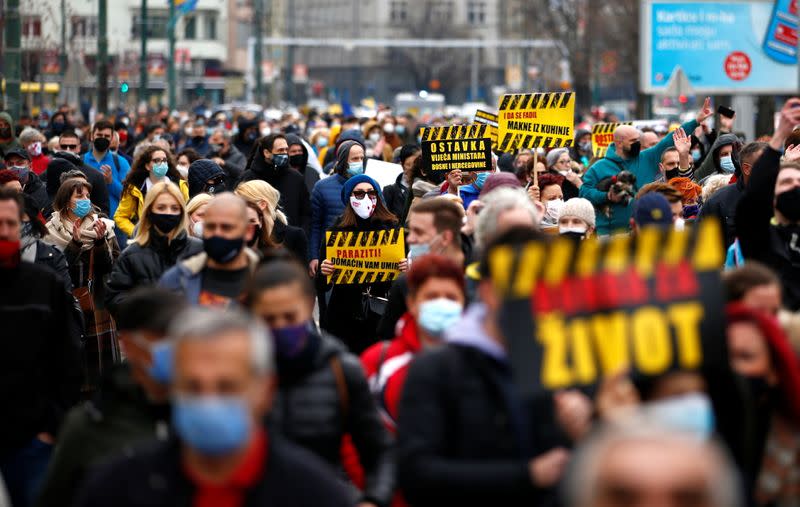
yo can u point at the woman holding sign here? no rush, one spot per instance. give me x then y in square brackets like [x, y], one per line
[354, 307]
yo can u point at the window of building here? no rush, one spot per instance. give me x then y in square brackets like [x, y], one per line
[476, 13]
[442, 11]
[244, 29]
[84, 26]
[398, 11]
[190, 28]
[156, 26]
[210, 26]
[31, 26]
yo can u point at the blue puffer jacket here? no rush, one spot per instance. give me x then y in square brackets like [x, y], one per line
[644, 167]
[326, 206]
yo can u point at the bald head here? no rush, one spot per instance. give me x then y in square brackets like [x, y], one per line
[627, 141]
[230, 201]
[226, 217]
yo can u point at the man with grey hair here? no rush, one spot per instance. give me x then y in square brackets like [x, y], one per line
[503, 209]
[230, 159]
[216, 276]
[223, 388]
[641, 465]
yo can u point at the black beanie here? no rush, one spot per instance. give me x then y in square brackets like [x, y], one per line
[200, 171]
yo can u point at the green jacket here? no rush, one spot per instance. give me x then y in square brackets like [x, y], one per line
[98, 430]
[615, 217]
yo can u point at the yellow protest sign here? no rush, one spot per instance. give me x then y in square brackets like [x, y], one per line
[458, 147]
[490, 119]
[532, 120]
[651, 304]
[364, 256]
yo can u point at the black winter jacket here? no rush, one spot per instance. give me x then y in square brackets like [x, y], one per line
[398, 198]
[722, 206]
[120, 418]
[309, 411]
[40, 369]
[154, 477]
[57, 167]
[293, 239]
[143, 265]
[776, 246]
[295, 201]
[456, 439]
[36, 190]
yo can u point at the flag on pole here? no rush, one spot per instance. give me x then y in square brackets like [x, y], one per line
[185, 6]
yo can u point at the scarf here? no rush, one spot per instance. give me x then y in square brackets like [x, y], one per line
[778, 483]
[59, 231]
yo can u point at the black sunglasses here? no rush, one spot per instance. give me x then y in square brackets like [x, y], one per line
[68, 146]
[359, 194]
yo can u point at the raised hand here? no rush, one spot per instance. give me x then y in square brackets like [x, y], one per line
[705, 111]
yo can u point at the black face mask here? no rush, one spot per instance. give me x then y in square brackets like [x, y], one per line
[297, 161]
[256, 236]
[164, 223]
[222, 250]
[574, 236]
[758, 387]
[788, 203]
[634, 150]
[198, 139]
[101, 144]
[674, 173]
[252, 136]
[5, 132]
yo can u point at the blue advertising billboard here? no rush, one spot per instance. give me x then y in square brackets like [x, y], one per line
[733, 47]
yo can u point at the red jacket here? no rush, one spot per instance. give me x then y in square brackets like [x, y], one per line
[385, 365]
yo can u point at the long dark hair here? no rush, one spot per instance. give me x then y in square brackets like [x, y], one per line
[382, 214]
[139, 172]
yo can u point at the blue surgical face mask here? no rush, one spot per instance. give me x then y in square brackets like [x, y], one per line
[480, 179]
[322, 142]
[211, 425]
[690, 413]
[400, 130]
[726, 163]
[696, 154]
[418, 250]
[438, 314]
[161, 357]
[355, 168]
[290, 340]
[82, 207]
[160, 170]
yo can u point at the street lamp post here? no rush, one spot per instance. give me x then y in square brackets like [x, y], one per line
[102, 57]
[143, 54]
[171, 60]
[11, 58]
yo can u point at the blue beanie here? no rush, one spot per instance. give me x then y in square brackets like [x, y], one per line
[351, 183]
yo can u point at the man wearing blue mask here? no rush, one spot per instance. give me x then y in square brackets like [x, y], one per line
[322, 393]
[133, 406]
[222, 454]
[723, 158]
[216, 277]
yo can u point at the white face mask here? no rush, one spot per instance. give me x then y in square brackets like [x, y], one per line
[266, 131]
[554, 209]
[364, 207]
[389, 128]
[563, 173]
[566, 229]
[188, 131]
[184, 170]
[197, 229]
[375, 137]
[680, 224]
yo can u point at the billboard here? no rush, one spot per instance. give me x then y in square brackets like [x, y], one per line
[739, 46]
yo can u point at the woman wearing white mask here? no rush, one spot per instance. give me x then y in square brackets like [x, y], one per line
[577, 219]
[560, 163]
[152, 166]
[345, 316]
[196, 209]
[552, 197]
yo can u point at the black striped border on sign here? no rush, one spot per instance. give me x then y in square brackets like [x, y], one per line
[364, 239]
[485, 118]
[475, 131]
[522, 101]
[511, 141]
[604, 128]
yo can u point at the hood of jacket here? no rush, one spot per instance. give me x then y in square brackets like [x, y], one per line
[7, 117]
[713, 157]
[293, 139]
[469, 332]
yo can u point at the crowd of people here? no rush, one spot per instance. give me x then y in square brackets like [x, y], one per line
[172, 334]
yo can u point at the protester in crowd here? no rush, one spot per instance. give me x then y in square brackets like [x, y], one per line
[322, 393]
[560, 163]
[714, 184]
[760, 352]
[269, 162]
[247, 136]
[498, 180]
[690, 192]
[722, 159]
[8, 141]
[774, 190]
[161, 240]
[398, 194]
[266, 198]
[649, 138]
[18, 161]
[652, 208]
[503, 209]
[673, 195]
[196, 210]
[113, 167]
[298, 160]
[184, 160]
[577, 219]
[198, 141]
[433, 227]
[326, 201]
[625, 153]
[33, 141]
[225, 154]
[755, 286]
[636, 463]
[221, 453]
[346, 316]
[205, 176]
[67, 157]
[581, 150]
[722, 205]
[552, 197]
[216, 276]
[151, 167]
[465, 436]
[41, 362]
[133, 407]
[34, 249]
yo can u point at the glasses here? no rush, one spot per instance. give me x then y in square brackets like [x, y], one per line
[158, 160]
[359, 194]
[68, 146]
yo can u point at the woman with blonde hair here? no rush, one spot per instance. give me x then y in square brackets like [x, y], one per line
[161, 241]
[196, 211]
[266, 197]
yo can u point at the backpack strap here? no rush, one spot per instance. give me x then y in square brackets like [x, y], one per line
[341, 386]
